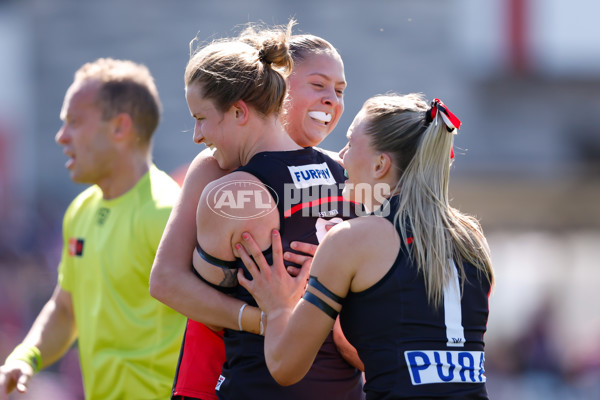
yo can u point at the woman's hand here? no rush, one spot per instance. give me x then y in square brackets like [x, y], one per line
[308, 249]
[271, 286]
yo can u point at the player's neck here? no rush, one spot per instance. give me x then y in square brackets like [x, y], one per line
[124, 177]
[273, 138]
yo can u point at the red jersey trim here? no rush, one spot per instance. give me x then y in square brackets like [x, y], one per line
[298, 207]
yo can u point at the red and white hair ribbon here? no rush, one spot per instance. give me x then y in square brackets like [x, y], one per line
[452, 122]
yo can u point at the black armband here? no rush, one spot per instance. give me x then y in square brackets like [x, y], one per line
[314, 282]
[320, 304]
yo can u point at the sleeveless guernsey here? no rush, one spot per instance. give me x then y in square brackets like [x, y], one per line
[304, 183]
[410, 349]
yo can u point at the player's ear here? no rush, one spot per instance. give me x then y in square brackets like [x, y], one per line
[122, 126]
[382, 166]
[240, 111]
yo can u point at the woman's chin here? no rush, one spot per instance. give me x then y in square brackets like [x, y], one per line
[347, 193]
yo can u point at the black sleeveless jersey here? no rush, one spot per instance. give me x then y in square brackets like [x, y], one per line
[306, 186]
[410, 349]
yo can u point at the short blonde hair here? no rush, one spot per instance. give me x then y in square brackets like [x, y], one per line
[125, 87]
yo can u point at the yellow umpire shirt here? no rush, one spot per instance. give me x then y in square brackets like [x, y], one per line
[128, 341]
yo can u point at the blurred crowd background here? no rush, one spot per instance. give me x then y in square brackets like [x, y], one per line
[523, 75]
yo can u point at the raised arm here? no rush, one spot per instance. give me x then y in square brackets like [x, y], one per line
[290, 320]
[346, 260]
[306, 251]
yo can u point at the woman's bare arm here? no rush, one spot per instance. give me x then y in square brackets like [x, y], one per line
[290, 319]
[171, 279]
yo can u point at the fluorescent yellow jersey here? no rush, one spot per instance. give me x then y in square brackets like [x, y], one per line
[128, 341]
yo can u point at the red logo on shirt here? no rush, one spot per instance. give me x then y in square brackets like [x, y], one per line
[75, 247]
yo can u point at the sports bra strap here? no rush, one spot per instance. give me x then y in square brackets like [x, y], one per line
[223, 289]
[215, 261]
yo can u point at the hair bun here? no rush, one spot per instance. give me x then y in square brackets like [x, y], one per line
[262, 56]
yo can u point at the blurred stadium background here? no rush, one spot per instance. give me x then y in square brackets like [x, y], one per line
[523, 75]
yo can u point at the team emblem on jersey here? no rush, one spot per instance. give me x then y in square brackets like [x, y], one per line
[311, 175]
[102, 215]
[75, 247]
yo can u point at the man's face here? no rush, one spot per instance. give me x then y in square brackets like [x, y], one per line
[85, 135]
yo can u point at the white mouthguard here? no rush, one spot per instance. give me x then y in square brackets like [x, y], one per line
[320, 116]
